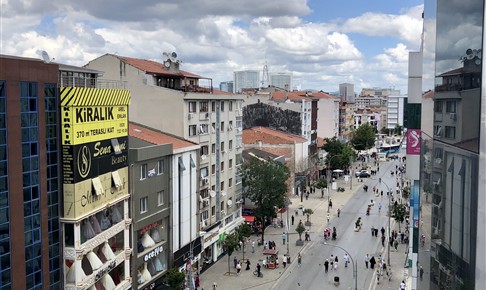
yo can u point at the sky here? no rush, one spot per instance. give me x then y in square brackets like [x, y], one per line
[321, 42]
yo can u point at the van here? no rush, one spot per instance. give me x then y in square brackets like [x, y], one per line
[381, 156]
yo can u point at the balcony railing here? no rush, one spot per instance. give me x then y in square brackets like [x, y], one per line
[82, 82]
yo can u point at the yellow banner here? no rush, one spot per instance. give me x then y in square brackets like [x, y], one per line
[87, 196]
[82, 125]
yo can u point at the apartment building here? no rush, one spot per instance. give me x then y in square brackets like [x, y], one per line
[174, 101]
[246, 79]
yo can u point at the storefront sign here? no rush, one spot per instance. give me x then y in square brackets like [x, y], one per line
[154, 253]
[413, 141]
[148, 228]
[105, 270]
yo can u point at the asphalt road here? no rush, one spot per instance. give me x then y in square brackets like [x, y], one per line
[311, 274]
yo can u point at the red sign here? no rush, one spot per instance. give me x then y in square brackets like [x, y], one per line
[413, 141]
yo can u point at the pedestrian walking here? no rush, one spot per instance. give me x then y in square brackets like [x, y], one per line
[331, 260]
[421, 273]
[296, 212]
[339, 212]
[328, 218]
[402, 285]
[326, 265]
[395, 244]
[253, 246]
[283, 238]
[346, 260]
[235, 261]
[299, 259]
[367, 260]
[238, 268]
[247, 265]
[378, 274]
[372, 231]
[372, 262]
[383, 241]
[197, 281]
[330, 204]
[382, 231]
[336, 260]
[284, 261]
[215, 286]
[292, 218]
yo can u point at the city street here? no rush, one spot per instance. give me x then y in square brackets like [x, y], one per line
[311, 275]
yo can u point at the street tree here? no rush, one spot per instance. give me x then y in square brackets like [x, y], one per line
[265, 184]
[363, 138]
[174, 279]
[339, 154]
[300, 229]
[399, 212]
[231, 242]
[308, 212]
[321, 184]
[243, 232]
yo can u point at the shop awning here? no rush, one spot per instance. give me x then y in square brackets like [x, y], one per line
[249, 218]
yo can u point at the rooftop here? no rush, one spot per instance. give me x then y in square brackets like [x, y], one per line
[156, 137]
[269, 136]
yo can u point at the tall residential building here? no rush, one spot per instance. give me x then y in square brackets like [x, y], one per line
[281, 80]
[378, 92]
[346, 91]
[396, 111]
[246, 79]
[226, 86]
[173, 101]
[30, 236]
[456, 153]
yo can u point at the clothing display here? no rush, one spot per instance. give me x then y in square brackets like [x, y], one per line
[71, 274]
[116, 216]
[100, 254]
[140, 278]
[107, 282]
[155, 234]
[158, 264]
[85, 264]
[145, 273]
[95, 224]
[104, 221]
[151, 267]
[99, 286]
[94, 261]
[87, 230]
[108, 252]
[147, 241]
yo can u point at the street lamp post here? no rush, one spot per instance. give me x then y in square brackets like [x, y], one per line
[329, 179]
[355, 266]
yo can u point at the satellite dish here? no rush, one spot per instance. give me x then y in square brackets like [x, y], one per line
[223, 193]
[229, 202]
[212, 193]
[173, 54]
[45, 56]
[469, 51]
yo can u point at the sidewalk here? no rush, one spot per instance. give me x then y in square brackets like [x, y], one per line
[246, 279]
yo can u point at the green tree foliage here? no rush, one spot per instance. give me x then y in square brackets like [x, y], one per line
[338, 154]
[264, 183]
[174, 279]
[230, 244]
[308, 212]
[300, 229]
[385, 131]
[243, 232]
[363, 138]
[399, 212]
[397, 130]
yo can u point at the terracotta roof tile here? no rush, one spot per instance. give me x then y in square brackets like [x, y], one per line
[218, 92]
[428, 95]
[269, 136]
[154, 67]
[282, 96]
[156, 137]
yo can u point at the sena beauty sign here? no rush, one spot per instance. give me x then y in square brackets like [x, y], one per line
[413, 141]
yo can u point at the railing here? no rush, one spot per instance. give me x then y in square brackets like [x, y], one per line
[82, 82]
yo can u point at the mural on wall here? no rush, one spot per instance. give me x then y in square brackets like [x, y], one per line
[264, 115]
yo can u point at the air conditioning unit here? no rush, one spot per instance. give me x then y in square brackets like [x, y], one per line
[190, 116]
[206, 180]
[204, 224]
[223, 212]
[453, 116]
[205, 203]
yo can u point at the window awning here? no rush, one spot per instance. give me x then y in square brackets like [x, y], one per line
[116, 179]
[249, 218]
[98, 188]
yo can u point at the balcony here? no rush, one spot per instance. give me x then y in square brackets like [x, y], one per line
[89, 82]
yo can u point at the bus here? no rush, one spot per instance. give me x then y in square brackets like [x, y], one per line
[389, 148]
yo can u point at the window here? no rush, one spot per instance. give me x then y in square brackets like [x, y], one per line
[192, 107]
[204, 172]
[204, 150]
[230, 182]
[450, 132]
[160, 167]
[181, 165]
[213, 106]
[222, 106]
[160, 198]
[222, 146]
[222, 166]
[213, 210]
[222, 186]
[213, 127]
[230, 145]
[204, 215]
[213, 148]
[213, 169]
[222, 126]
[192, 130]
[438, 131]
[230, 105]
[438, 106]
[203, 129]
[143, 171]
[450, 106]
[230, 163]
[203, 106]
[222, 205]
[230, 126]
[143, 204]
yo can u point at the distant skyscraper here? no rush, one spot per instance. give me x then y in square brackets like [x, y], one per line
[346, 91]
[246, 79]
[226, 86]
[281, 80]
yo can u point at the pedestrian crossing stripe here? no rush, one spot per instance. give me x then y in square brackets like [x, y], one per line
[88, 97]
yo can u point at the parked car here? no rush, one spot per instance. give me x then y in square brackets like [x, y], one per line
[362, 173]
[393, 156]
